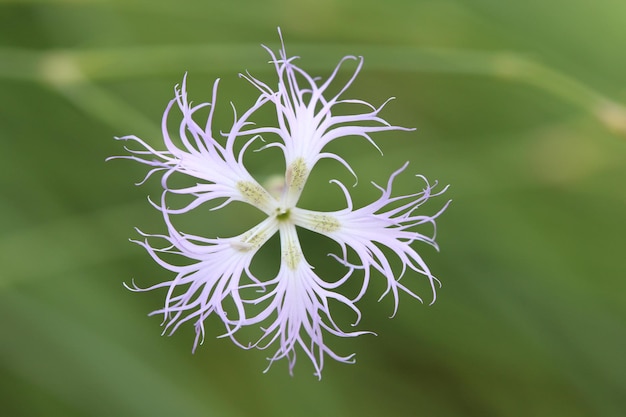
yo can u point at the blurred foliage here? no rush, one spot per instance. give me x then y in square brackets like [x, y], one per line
[518, 105]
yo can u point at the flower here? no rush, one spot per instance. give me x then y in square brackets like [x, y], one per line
[292, 310]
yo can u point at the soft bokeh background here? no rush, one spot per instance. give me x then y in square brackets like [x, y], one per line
[518, 105]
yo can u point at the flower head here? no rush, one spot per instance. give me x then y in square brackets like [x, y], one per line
[291, 310]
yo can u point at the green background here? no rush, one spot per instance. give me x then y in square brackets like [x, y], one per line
[518, 107]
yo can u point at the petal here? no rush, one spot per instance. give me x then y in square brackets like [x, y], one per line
[389, 222]
[210, 279]
[195, 153]
[306, 122]
[298, 309]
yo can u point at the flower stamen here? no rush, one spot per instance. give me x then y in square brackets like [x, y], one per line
[295, 177]
[290, 246]
[254, 194]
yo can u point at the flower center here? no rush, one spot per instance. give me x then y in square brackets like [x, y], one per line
[283, 214]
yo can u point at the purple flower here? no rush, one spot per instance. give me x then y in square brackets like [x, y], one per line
[292, 310]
